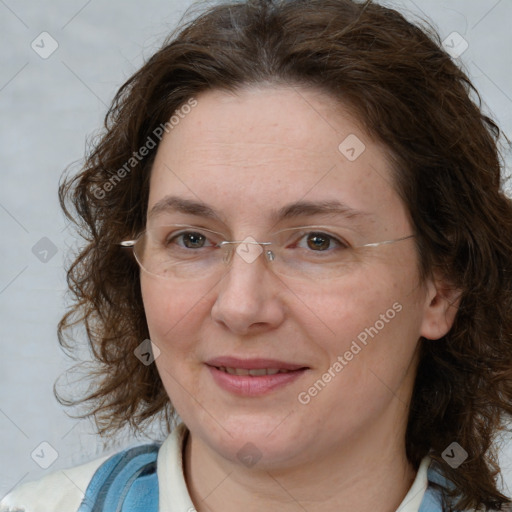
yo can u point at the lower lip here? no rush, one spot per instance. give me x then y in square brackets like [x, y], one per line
[247, 385]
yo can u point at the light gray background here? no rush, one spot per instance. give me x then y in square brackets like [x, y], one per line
[48, 108]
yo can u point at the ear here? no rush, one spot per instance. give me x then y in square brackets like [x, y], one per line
[441, 305]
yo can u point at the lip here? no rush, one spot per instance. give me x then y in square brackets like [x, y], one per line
[257, 385]
[253, 364]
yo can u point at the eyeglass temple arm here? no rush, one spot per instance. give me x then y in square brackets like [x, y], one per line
[385, 242]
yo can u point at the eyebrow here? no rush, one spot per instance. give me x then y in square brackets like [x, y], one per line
[289, 211]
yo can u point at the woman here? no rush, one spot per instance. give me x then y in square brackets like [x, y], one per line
[300, 206]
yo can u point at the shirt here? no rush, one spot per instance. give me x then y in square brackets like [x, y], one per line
[63, 491]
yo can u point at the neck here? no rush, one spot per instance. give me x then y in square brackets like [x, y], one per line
[363, 476]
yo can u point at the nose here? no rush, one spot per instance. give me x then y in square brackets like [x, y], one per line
[249, 297]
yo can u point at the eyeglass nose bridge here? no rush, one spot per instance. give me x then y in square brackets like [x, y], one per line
[247, 256]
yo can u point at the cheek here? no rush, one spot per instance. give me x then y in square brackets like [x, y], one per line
[375, 316]
[173, 321]
[169, 312]
[354, 302]
[156, 307]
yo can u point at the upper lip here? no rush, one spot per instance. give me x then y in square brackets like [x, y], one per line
[252, 364]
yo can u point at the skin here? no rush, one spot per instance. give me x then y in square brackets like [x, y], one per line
[246, 154]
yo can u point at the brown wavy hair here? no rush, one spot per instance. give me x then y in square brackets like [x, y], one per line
[408, 93]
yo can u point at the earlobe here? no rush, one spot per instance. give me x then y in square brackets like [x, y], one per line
[441, 305]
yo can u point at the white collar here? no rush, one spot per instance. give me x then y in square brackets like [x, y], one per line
[172, 488]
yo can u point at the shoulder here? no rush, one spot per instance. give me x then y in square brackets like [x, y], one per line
[58, 491]
[65, 490]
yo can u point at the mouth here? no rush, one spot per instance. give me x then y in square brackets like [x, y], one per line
[253, 377]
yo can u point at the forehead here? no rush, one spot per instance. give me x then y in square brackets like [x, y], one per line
[261, 148]
[264, 121]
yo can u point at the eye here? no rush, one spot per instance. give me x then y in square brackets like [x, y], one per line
[319, 241]
[189, 240]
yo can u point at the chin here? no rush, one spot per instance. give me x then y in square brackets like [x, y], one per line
[259, 443]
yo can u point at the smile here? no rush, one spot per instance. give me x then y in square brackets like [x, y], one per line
[252, 382]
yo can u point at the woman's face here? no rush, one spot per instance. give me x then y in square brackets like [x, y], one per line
[351, 339]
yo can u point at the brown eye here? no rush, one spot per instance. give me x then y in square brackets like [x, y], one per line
[318, 241]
